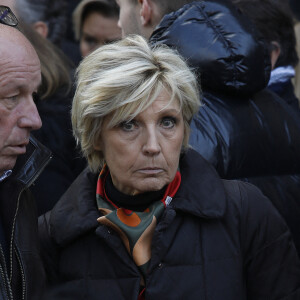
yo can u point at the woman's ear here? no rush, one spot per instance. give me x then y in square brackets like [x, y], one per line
[41, 28]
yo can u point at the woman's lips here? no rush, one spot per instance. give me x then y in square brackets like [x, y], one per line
[150, 171]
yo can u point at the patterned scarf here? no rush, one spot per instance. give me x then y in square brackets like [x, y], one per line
[135, 228]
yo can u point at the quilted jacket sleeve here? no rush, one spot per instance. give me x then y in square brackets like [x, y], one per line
[271, 263]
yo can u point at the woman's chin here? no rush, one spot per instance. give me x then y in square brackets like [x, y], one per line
[148, 185]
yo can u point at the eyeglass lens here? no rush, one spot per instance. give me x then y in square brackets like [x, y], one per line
[7, 17]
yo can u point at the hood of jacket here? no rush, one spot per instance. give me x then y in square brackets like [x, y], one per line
[201, 194]
[220, 45]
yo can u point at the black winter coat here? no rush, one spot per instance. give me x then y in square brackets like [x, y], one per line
[245, 132]
[56, 134]
[23, 278]
[218, 240]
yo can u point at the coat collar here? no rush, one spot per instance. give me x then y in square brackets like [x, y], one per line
[76, 212]
[32, 163]
[201, 193]
[27, 169]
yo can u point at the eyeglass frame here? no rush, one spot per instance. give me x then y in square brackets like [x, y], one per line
[5, 13]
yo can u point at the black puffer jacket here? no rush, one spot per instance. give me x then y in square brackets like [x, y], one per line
[245, 132]
[23, 278]
[217, 240]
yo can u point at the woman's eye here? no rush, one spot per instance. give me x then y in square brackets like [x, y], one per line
[128, 125]
[168, 122]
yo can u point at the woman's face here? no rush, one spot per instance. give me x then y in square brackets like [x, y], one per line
[97, 31]
[143, 154]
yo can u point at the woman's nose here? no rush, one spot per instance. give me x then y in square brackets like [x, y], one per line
[151, 145]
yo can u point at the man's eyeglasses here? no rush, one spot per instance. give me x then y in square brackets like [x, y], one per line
[7, 17]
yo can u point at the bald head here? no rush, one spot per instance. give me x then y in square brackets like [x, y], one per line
[20, 77]
[11, 37]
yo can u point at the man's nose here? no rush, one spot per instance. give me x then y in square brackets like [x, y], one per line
[30, 117]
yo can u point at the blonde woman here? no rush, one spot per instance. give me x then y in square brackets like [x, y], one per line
[150, 218]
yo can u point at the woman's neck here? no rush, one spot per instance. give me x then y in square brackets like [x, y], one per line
[133, 202]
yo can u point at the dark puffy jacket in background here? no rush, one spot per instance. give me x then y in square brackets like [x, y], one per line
[246, 132]
[295, 6]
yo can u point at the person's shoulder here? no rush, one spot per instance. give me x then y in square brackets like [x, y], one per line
[260, 222]
[76, 206]
[247, 198]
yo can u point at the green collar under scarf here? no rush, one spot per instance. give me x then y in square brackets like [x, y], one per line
[135, 228]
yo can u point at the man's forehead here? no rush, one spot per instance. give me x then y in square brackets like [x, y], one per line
[8, 33]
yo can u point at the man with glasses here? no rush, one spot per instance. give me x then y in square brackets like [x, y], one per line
[21, 161]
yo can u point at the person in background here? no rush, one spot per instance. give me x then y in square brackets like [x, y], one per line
[297, 69]
[244, 130]
[96, 24]
[54, 104]
[150, 218]
[274, 21]
[47, 17]
[295, 7]
[69, 44]
[22, 159]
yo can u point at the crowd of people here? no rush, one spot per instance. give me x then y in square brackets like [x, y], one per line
[151, 153]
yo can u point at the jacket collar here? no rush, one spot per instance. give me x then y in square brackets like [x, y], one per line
[201, 193]
[27, 169]
[76, 212]
[32, 163]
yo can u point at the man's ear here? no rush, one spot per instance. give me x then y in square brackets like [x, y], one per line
[41, 28]
[275, 52]
[146, 11]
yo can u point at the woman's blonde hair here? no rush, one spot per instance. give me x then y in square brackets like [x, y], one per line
[123, 79]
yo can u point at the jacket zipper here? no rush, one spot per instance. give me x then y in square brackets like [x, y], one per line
[4, 275]
[14, 224]
[11, 242]
[23, 275]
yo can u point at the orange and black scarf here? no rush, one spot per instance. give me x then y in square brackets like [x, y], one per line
[135, 228]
